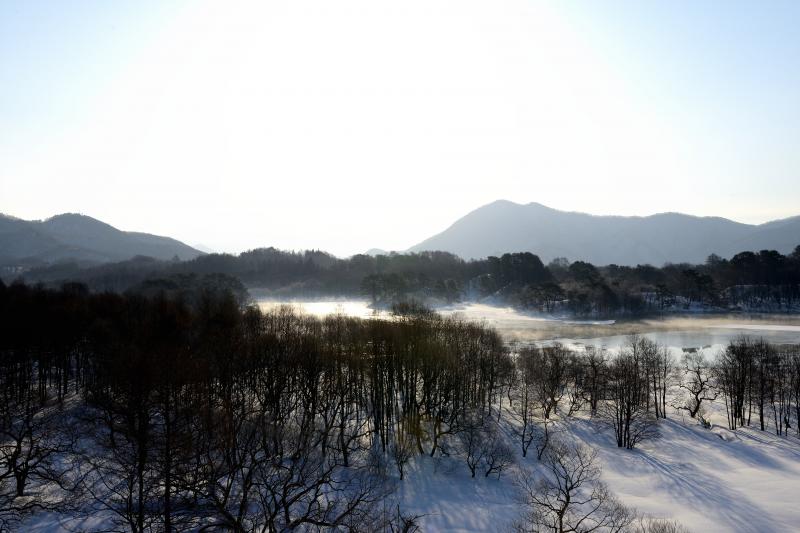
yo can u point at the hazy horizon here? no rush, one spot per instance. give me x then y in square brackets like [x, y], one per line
[205, 248]
[376, 125]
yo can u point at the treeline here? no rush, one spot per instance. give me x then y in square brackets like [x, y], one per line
[767, 280]
[154, 412]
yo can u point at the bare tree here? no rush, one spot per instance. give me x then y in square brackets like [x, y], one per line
[395, 521]
[595, 376]
[543, 434]
[484, 447]
[656, 525]
[733, 371]
[570, 497]
[525, 405]
[697, 382]
[472, 441]
[660, 369]
[497, 456]
[550, 369]
[543, 376]
[35, 451]
[576, 375]
[402, 450]
[625, 408]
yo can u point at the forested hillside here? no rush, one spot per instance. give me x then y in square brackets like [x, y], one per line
[765, 280]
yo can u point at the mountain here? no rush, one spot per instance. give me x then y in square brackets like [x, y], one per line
[376, 251]
[79, 238]
[504, 226]
[203, 248]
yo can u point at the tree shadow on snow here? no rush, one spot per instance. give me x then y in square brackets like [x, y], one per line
[694, 441]
[708, 495]
[672, 461]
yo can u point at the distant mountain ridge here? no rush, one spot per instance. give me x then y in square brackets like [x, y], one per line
[505, 226]
[79, 238]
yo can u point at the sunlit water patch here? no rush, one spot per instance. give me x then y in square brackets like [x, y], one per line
[321, 308]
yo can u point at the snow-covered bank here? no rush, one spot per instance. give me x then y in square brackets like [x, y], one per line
[710, 480]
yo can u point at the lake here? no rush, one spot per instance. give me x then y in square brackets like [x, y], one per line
[708, 333]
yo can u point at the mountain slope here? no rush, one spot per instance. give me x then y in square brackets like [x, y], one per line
[80, 238]
[505, 226]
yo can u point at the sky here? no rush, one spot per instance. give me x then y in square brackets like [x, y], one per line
[349, 125]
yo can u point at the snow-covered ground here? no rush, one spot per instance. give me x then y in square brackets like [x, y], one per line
[710, 480]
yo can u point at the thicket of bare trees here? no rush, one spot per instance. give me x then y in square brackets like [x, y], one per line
[211, 416]
[763, 279]
[541, 375]
[757, 378]
[635, 393]
[167, 415]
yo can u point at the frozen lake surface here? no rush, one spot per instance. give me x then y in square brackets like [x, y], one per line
[701, 332]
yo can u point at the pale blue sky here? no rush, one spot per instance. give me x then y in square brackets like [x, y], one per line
[359, 124]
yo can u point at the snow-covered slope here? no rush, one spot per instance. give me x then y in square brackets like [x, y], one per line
[710, 480]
